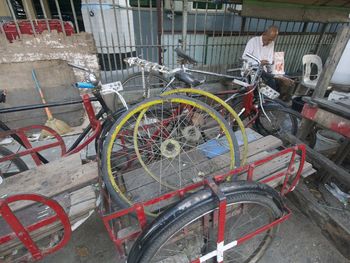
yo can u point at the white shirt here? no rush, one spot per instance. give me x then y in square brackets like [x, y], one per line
[256, 47]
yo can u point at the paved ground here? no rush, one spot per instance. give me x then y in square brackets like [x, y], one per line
[298, 241]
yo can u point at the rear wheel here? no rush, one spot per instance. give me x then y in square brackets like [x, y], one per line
[192, 234]
[154, 83]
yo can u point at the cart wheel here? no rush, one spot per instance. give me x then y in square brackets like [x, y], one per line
[34, 230]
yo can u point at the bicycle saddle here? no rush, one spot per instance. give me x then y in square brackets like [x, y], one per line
[184, 56]
[187, 78]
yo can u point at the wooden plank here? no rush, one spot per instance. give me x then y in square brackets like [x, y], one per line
[334, 223]
[51, 179]
[333, 59]
[138, 179]
[327, 119]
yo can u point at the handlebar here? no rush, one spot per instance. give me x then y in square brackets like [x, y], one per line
[84, 85]
[92, 79]
[253, 57]
[79, 67]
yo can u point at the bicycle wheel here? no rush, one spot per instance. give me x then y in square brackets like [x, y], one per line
[279, 119]
[153, 82]
[192, 233]
[11, 167]
[177, 140]
[222, 107]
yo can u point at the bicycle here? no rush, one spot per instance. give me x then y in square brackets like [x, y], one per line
[99, 124]
[254, 102]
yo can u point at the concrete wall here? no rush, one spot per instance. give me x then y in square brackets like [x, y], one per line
[48, 55]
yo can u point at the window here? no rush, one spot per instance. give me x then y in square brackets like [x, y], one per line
[143, 3]
[206, 5]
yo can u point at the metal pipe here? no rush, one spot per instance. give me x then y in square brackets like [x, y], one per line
[26, 8]
[45, 15]
[74, 16]
[60, 16]
[159, 30]
[14, 18]
[184, 23]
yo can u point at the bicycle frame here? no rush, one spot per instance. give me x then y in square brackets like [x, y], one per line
[19, 134]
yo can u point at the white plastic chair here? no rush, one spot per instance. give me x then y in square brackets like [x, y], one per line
[308, 60]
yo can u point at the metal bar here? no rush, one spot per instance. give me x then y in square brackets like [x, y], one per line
[45, 15]
[222, 35]
[151, 26]
[184, 23]
[20, 231]
[30, 17]
[115, 56]
[205, 39]
[14, 18]
[102, 56]
[319, 41]
[213, 39]
[159, 30]
[118, 39]
[140, 27]
[195, 32]
[173, 62]
[60, 16]
[106, 39]
[75, 16]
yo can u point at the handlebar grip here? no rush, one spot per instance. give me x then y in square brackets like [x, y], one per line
[84, 85]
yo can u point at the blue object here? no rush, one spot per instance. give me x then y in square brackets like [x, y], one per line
[84, 85]
[214, 148]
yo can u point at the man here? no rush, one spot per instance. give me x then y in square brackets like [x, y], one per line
[262, 47]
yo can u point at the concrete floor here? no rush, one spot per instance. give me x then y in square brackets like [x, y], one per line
[298, 241]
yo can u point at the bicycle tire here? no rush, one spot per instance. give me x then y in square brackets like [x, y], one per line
[115, 190]
[106, 126]
[222, 104]
[167, 226]
[135, 82]
[286, 120]
[17, 161]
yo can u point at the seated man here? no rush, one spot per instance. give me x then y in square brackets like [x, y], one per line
[262, 47]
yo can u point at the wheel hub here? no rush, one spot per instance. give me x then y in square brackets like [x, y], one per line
[191, 133]
[170, 148]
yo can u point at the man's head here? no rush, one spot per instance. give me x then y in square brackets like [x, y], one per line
[269, 35]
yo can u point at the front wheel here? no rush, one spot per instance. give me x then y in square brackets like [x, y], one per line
[278, 119]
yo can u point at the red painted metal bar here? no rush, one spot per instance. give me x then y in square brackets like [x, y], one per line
[263, 229]
[21, 132]
[20, 231]
[95, 125]
[249, 168]
[250, 172]
[23, 233]
[289, 171]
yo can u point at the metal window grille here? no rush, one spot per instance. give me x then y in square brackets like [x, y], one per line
[214, 34]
